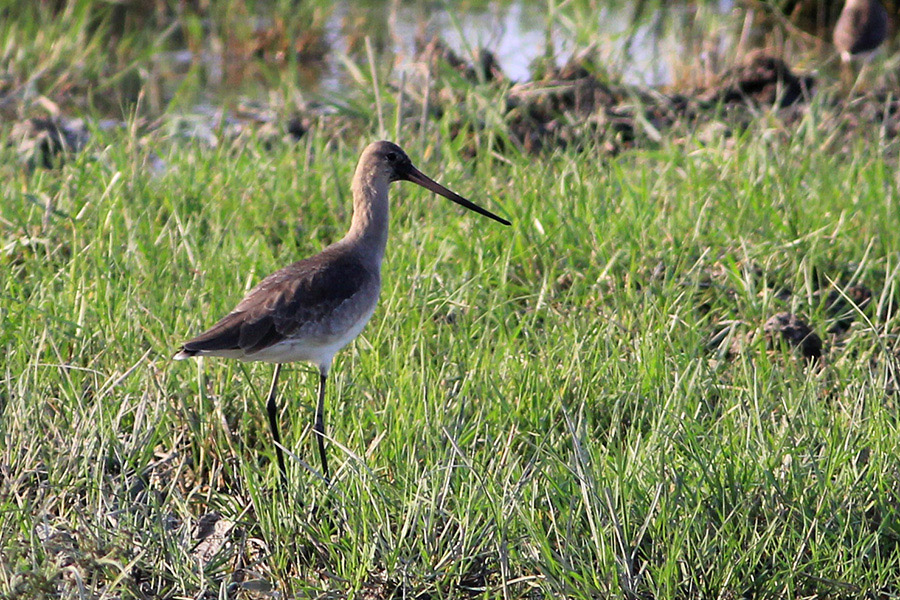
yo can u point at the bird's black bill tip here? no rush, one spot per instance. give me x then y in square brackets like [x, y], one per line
[416, 176]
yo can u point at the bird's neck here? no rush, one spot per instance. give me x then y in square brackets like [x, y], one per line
[369, 228]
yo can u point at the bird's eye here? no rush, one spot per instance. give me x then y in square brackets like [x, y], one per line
[392, 156]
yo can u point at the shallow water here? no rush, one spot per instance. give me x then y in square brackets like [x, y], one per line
[642, 49]
[517, 32]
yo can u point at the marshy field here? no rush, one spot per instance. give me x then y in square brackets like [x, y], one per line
[676, 374]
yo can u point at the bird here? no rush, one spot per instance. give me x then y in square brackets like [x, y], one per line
[860, 29]
[309, 310]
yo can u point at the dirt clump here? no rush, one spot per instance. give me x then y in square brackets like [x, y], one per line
[790, 329]
[43, 142]
[580, 105]
[761, 79]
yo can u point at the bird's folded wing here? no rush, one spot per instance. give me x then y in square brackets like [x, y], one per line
[304, 294]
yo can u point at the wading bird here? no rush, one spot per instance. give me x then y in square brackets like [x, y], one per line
[311, 309]
[860, 29]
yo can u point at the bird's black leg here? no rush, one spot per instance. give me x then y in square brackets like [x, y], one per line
[272, 409]
[319, 426]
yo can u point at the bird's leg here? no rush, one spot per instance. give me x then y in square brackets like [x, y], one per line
[319, 426]
[272, 409]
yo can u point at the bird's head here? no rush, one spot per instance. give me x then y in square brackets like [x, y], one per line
[387, 160]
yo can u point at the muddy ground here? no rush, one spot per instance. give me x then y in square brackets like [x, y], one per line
[579, 105]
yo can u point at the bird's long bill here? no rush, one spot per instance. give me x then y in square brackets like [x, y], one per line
[420, 178]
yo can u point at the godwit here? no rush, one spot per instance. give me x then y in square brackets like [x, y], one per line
[311, 309]
[860, 29]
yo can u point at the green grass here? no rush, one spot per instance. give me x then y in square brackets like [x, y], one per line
[534, 411]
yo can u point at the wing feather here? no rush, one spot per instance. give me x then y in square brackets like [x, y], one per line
[304, 294]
